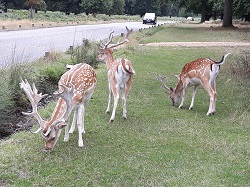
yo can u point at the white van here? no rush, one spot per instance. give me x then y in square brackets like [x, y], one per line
[149, 18]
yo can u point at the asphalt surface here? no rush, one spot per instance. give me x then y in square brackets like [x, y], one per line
[28, 45]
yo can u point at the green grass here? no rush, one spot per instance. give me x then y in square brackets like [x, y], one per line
[158, 145]
[196, 33]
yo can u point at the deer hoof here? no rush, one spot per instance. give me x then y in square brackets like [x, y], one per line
[111, 120]
[80, 144]
[66, 139]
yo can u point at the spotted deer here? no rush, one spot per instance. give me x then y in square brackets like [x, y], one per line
[201, 71]
[120, 72]
[76, 87]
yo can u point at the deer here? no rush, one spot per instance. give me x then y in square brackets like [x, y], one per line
[76, 87]
[203, 72]
[120, 73]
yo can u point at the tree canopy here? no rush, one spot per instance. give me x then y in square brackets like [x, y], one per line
[205, 8]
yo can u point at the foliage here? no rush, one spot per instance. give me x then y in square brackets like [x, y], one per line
[33, 3]
[118, 7]
[139, 7]
[96, 6]
[1, 5]
[86, 53]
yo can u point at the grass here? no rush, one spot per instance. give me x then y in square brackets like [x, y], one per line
[158, 145]
[187, 33]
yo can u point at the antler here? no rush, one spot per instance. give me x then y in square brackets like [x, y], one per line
[67, 94]
[162, 79]
[129, 31]
[34, 98]
[105, 46]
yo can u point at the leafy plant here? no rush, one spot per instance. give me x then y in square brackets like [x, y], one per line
[85, 53]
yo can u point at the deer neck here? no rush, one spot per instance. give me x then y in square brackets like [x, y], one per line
[59, 110]
[109, 60]
[179, 87]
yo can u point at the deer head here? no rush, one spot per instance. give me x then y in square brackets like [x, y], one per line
[169, 90]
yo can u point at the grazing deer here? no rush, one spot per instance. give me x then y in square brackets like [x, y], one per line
[120, 73]
[201, 71]
[76, 87]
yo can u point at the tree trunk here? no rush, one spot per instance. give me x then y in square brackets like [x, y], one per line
[228, 14]
[31, 12]
[203, 12]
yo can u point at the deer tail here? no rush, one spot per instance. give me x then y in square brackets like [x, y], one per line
[223, 59]
[128, 70]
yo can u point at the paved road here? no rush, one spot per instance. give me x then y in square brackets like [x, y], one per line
[27, 45]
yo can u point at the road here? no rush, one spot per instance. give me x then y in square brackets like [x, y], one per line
[27, 45]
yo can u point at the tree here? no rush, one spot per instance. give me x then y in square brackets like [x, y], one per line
[1, 5]
[129, 7]
[118, 7]
[31, 4]
[143, 6]
[228, 14]
[202, 7]
[241, 8]
[96, 6]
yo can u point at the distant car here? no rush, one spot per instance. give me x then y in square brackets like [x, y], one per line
[190, 18]
[149, 18]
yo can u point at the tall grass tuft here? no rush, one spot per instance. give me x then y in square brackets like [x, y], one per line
[241, 66]
[85, 53]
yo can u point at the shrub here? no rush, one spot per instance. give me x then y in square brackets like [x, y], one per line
[49, 78]
[85, 53]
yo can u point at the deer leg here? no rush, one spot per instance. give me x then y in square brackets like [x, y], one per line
[211, 94]
[215, 97]
[66, 135]
[124, 98]
[80, 124]
[110, 98]
[183, 97]
[193, 96]
[124, 101]
[116, 99]
[73, 125]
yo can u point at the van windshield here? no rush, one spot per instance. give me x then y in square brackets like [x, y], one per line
[149, 16]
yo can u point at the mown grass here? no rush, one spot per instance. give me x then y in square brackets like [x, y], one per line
[192, 33]
[158, 145]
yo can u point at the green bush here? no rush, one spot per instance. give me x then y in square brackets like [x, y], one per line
[86, 53]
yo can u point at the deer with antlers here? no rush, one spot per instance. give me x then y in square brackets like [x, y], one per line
[120, 72]
[201, 71]
[76, 87]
